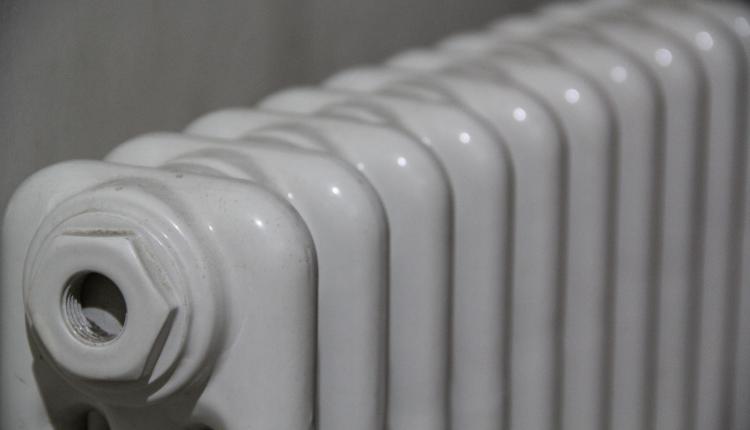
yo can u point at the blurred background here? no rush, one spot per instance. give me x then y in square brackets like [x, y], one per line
[78, 77]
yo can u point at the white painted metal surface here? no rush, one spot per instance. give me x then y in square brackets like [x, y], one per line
[541, 225]
[531, 135]
[477, 166]
[586, 123]
[352, 254]
[158, 235]
[682, 83]
[419, 202]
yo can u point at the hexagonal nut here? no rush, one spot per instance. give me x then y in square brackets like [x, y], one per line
[150, 302]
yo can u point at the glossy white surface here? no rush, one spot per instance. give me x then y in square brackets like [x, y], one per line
[714, 318]
[586, 119]
[535, 145]
[636, 105]
[543, 225]
[418, 201]
[718, 53]
[197, 241]
[477, 165]
[349, 227]
[633, 93]
[586, 122]
[683, 88]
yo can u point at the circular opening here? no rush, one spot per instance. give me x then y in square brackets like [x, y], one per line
[94, 308]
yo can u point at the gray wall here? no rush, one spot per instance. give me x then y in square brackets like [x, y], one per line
[78, 77]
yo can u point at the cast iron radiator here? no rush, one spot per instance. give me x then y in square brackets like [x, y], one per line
[542, 225]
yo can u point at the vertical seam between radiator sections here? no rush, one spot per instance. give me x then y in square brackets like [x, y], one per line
[653, 257]
[655, 261]
[695, 287]
[606, 342]
[736, 231]
[562, 241]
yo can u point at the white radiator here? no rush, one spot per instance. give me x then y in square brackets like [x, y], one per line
[540, 226]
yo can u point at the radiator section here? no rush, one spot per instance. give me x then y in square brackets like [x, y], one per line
[540, 225]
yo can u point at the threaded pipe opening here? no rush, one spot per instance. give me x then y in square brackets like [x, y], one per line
[94, 308]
